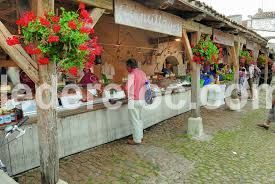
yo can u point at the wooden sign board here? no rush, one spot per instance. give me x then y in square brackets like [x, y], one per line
[133, 14]
[223, 38]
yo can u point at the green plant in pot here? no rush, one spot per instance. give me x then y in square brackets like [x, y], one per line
[245, 57]
[206, 51]
[67, 39]
[262, 59]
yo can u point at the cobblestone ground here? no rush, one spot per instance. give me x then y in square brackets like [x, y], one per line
[237, 152]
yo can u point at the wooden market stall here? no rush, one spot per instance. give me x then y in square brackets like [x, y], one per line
[150, 31]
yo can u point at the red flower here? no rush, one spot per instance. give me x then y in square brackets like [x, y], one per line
[92, 31]
[53, 38]
[43, 61]
[221, 49]
[81, 6]
[56, 28]
[205, 49]
[218, 45]
[83, 47]
[31, 49]
[98, 50]
[197, 54]
[72, 25]
[44, 21]
[26, 19]
[85, 14]
[55, 19]
[73, 70]
[14, 40]
[89, 64]
[192, 45]
[203, 58]
[92, 57]
[85, 30]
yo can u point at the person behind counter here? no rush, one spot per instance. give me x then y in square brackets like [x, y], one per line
[87, 78]
[168, 70]
[135, 88]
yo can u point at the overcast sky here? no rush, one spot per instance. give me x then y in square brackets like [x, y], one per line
[244, 7]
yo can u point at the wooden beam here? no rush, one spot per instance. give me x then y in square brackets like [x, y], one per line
[192, 26]
[96, 14]
[18, 55]
[47, 117]
[104, 4]
[155, 41]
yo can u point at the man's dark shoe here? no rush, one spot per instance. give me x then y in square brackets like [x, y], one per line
[263, 126]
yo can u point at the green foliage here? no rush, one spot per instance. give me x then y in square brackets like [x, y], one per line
[206, 50]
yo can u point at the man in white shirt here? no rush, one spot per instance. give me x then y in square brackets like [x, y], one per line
[108, 70]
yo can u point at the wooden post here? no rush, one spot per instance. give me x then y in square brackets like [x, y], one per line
[195, 126]
[266, 73]
[47, 118]
[195, 98]
[235, 54]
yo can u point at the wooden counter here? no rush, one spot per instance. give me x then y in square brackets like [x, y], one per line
[82, 129]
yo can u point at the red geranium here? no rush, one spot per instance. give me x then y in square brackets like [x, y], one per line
[55, 19]
[56, 28]
[14, 40]
[83, 47]
[31, 49]
[85, 29]
[72, 25]
[92, 31]
[26, 19]
[98, 50]
[43, 61]
[44, 21]
[81, 6]
[92, 57]
[89, 64]
[53, 38]
[73, 70]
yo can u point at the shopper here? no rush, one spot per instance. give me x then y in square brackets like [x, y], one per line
[135, 89]
[271, 114]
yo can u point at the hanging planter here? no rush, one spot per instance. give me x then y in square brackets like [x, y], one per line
[245, 57]
[67, 40]
[206, 51]
[262, 59]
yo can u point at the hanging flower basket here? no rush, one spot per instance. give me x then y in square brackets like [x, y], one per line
[245, 57]
[262, 59]
[206, 51]
[67, 40]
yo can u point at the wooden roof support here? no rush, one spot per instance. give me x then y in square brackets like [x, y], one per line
[104, 4]
[18, 55]
[96, 14]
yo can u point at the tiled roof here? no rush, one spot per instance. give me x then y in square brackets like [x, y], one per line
[261, 15]
[212, 12]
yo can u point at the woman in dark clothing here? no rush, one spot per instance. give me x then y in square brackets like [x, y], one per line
[88, 78]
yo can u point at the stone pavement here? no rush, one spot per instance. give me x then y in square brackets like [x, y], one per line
[236, 152]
